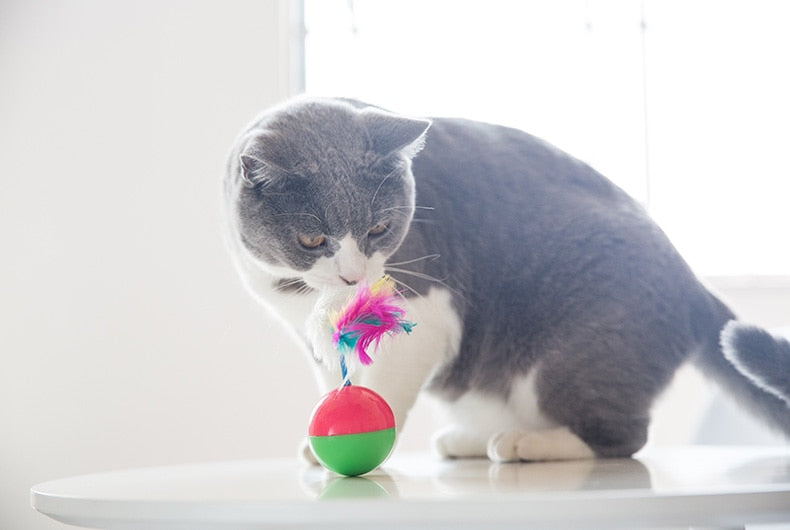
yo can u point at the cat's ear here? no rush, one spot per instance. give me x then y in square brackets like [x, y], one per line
[263, 159]
[253, 169]
[390, 133]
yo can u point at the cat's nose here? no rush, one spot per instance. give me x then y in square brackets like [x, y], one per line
[351, 263]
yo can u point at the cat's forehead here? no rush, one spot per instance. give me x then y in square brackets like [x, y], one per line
[323, 136]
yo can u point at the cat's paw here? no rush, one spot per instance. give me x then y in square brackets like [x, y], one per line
[319, 336]
[319, 330]
[537, 445]
[454, 442]
[504, 446]
[306, 454]
[323, 349]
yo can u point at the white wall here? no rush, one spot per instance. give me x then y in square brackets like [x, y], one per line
[126, 339]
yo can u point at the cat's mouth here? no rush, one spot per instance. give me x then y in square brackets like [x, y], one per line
[344, 270]
[332, 282]
[338, 281]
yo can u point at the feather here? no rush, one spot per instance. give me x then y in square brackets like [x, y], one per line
[367, 317]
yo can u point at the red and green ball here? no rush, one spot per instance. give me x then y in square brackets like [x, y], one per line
[352, 430]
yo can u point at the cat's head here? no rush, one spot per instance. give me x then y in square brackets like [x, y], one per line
[322, 190]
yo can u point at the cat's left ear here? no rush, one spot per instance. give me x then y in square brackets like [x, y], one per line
[390, 133]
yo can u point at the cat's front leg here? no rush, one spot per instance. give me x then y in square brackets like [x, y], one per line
[318, 333]
[406, 362]
[399, 385]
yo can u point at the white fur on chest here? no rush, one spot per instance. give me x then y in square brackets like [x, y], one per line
[403, 363]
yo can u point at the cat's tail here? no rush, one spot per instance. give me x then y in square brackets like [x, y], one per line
[751, 364]
[763, 358]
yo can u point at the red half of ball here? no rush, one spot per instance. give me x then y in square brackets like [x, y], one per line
[350, 410]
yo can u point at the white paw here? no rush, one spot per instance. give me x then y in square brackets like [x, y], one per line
[503, 446]
[318, 328]
[453, 442]
[306, 453]
[537, 445]
[319, 335]
[324, 350]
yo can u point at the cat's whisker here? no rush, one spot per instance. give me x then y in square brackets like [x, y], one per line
[408, 207]
[304, 214]
[422, 276]
[407, 286]
[416, 274]
[404, 211]
[405, 215]
[298, 283]
[373, 200]
[431, 257]
[405, 208]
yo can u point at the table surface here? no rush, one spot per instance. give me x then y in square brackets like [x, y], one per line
[679, 487]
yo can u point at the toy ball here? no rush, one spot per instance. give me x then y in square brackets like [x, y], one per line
[352, 430]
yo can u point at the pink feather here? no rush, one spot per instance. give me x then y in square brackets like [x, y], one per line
[369, 315]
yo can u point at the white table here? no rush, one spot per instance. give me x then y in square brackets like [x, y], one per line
[693, 486]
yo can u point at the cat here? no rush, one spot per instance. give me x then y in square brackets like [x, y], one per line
[551, 310]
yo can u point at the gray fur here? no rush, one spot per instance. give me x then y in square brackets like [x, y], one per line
[550, 264]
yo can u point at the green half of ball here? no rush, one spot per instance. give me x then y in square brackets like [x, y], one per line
[353, 454]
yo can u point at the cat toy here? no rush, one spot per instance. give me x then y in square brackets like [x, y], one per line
[352, 428]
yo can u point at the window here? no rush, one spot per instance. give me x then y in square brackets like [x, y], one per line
[682, 103]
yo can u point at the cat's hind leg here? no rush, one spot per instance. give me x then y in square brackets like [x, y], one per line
[475, 417]
[558, 443]
[601, 389]
[526, 433]
[574, 408]
[511, 446]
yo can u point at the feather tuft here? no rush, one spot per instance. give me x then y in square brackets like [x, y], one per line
[367, 317]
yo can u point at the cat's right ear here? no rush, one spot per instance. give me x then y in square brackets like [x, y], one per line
[390, 133]
[266, 158]
[263, 159]
[252, 169]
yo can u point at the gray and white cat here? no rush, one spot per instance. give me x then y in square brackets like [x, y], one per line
[551, 311]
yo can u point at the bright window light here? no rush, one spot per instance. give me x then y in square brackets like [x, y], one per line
[683, 103]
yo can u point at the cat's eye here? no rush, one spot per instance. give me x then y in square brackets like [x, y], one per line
[378, 229]
[311, 242]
